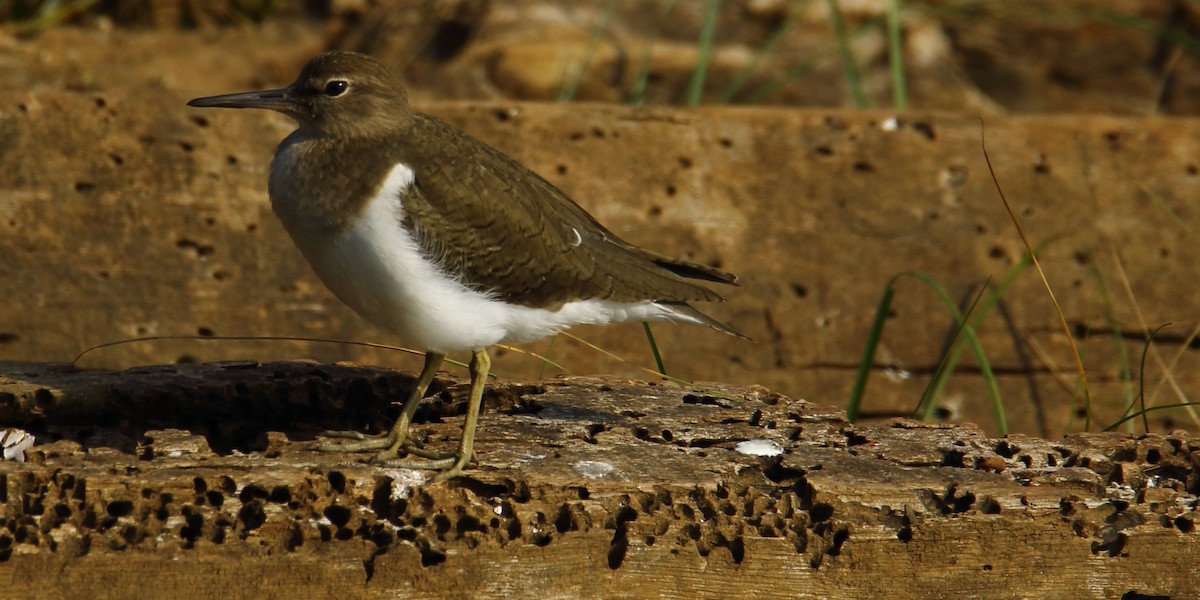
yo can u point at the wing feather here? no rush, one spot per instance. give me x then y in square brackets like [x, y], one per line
[528, 240]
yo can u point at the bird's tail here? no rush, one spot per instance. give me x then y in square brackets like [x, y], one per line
[688, 314]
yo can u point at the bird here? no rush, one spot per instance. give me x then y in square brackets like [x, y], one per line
[445, 242]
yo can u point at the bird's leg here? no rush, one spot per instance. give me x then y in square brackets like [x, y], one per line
[389, 444]
[453, 464]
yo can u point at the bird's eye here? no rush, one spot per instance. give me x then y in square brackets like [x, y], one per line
[334, 89]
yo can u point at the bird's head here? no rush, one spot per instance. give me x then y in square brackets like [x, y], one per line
[337, 94]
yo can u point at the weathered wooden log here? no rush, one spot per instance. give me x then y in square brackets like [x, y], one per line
[200, 480]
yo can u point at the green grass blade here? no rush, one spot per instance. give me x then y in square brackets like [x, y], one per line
[761, 53]
[1149, 409]
[1151, 26]
[772, 87]
[658, 361]
[1175, 218]
[1142, 376]
[50, 14]
[896, 56]
[637, 94]
[964, 329]
[768, 89]
[977, 314]
[549, 352]
[641, 81]
[1110, 316]
[948, 363]
[867, 364]
[988, 304]
[1126, 415]
[938, 381]
[849, 67]
[707, 30]
[568, 91]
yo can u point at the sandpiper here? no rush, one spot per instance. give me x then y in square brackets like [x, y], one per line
[443, 240]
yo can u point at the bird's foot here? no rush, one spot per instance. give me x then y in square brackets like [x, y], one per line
[396, 440]
[449, 465]
[388, 444]
[388, 449]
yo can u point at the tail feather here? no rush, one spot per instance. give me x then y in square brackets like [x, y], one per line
[689, 314]
[697, 271]
[684, 268]
[691, 270]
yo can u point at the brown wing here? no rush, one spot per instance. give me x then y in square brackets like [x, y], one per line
[484, 215]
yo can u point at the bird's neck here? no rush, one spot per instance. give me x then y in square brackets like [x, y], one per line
[321, 184]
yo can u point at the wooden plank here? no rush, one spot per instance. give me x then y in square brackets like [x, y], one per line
[202, 478]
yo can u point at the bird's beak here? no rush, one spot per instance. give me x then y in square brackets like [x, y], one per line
[276, 99]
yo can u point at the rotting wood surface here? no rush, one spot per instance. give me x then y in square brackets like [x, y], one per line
[202, 479]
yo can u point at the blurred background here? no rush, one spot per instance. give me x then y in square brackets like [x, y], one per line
[987, 56]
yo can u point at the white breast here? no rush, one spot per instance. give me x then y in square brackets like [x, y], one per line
[377, 269]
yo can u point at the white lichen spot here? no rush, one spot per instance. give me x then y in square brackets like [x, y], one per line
[1117, 491]
[524, 457]
[15, 442]
[759, 448]
[65, 532]
[501, 507]
[592, 469]
[403, 482]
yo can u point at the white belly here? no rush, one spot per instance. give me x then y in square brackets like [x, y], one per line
[377, 269]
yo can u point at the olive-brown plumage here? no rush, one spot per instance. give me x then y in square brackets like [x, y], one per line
[444, 240]
[499, 226]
